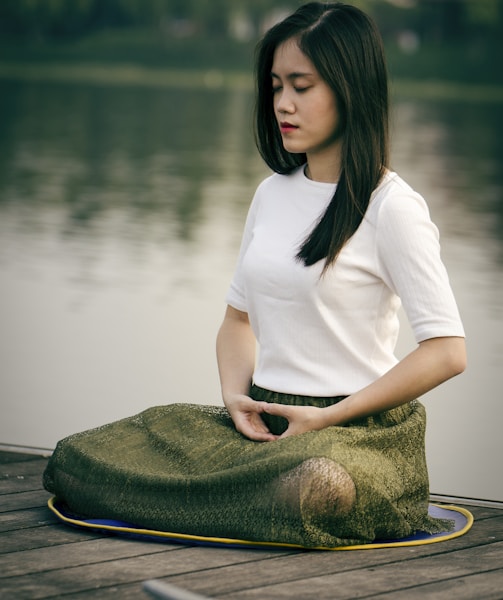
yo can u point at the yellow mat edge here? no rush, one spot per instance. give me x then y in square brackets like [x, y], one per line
[237, 542]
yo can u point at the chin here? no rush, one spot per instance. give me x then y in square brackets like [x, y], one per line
[294, 149]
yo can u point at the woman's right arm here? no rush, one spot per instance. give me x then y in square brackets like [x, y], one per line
[236, 362]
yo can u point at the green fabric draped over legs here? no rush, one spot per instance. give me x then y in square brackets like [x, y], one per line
[185, 469]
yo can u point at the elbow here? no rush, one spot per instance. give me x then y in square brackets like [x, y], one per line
[447, 356]
[456, 356]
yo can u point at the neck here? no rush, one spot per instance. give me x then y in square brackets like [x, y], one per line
[325, 169]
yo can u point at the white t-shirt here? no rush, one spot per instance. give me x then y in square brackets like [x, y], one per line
[333, 335]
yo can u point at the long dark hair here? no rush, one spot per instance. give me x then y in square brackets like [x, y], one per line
[346, 49]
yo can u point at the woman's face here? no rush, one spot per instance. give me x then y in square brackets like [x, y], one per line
[304, 104]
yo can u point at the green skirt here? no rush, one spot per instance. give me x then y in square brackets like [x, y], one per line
[184, 468]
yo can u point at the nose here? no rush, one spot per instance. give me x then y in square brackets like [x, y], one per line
[284, 102]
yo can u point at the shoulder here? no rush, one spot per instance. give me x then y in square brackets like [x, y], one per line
[277, 181]
[400, 217]
[277, 191]
[395, 198]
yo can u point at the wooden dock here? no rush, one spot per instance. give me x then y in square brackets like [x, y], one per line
[41, 558]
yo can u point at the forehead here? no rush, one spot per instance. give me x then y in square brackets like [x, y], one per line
[289, 59]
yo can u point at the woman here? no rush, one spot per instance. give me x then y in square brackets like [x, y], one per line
[333, 242]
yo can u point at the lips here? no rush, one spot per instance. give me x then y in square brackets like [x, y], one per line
[286, 127]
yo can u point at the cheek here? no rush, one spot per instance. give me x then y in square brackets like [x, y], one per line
[327, 118]
[333, 118]
[326, 111]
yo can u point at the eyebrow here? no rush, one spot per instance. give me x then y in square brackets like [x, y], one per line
[292, 76]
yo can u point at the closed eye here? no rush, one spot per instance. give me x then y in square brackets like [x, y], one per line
[299, 90]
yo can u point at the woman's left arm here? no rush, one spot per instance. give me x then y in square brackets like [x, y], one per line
[434, 361]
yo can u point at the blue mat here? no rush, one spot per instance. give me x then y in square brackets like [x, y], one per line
[463, 520]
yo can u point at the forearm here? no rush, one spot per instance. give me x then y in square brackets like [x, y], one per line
[235, 353]
[433, 362]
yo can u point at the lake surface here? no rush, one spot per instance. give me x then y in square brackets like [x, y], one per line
[121, 212]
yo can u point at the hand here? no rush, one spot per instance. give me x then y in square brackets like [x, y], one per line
[245, 412]
[300, 418]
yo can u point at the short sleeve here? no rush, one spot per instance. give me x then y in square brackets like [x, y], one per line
[236, 294]
[408, 251]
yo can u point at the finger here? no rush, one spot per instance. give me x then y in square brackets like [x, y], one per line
[261, 426]
[252, 426]
[278, 410]
[258, 436]
[264, 437]
[258, 406]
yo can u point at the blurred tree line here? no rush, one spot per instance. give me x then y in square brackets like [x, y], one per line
[441, 20]
[223, 32]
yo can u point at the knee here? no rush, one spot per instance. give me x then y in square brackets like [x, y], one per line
[327, 486]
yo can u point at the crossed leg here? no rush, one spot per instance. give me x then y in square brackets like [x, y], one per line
[320, 488]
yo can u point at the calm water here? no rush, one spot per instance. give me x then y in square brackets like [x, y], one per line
[121, 211]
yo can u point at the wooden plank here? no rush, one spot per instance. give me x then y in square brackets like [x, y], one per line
[11, 483]
[129, 591]
[462, 588]
[363, 583]
[118, 572]
[22, 476]
[42, 537]
[23, 500]
[486, 586]
[8, 457]
[314, 564]
[23, 467]
[23, 519]
[481, 512]
[79, 553]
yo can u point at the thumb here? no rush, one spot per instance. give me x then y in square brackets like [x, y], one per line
[278, 410]
[258, 406]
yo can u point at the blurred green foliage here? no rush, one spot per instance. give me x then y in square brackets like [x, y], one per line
[438, 19]
[449, 39]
